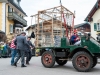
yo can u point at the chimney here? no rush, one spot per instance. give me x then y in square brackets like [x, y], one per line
[19, 1]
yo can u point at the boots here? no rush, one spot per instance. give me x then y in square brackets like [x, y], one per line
[15, 64]
[27, 63]
[23, 65]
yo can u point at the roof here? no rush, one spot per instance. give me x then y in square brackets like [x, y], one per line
[17, 6]
[79, 25]
[31, 26]
[93, 10]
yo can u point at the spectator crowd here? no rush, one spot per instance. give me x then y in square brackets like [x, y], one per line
[5, 50]
[20, 47]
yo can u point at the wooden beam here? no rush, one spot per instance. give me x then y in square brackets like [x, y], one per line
[61, 34]
[38, 31]
[49, 8]
[52, 31]
[45, 20]
[47, 15]
[55, 12]
[58, 10]
[68, 10]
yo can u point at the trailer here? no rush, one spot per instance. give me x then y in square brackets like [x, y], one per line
[84, 57]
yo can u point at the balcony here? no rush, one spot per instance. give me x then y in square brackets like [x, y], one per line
[14, 16]
[3, 1]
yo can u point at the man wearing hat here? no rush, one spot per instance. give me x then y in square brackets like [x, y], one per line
[20, 43]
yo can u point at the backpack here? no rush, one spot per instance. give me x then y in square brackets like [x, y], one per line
[32, 35]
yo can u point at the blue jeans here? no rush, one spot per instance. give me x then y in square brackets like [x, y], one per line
[21, 54]
[13, 54]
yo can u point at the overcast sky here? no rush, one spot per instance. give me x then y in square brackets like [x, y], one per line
[82, 7]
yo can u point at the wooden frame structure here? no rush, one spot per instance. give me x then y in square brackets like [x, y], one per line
[51, 21]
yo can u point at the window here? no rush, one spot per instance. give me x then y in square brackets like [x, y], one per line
[11, 28]
[18, 30]
[96, 26]
[10, 9]
[22, 16]
[16, 12]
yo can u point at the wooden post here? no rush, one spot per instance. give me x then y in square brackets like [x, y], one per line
[52, 31]
[38, 30]
[47, 17]
[42, 31]
[61, 23]
[35, 32]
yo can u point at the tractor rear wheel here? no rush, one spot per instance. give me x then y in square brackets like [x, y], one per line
[61, 62]
[82, 61]
[48, 59]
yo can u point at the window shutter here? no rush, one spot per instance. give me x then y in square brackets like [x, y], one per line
[95, 27]
[11, 28]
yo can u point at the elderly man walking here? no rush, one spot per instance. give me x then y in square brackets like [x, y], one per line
[20, 42]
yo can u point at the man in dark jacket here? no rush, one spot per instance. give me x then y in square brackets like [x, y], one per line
[28, 50]
[20, 43]
[74, 38]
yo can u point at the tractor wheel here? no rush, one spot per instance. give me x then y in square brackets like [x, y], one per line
[94, 62]
[82, 61]
[48, 59]
[61, 62]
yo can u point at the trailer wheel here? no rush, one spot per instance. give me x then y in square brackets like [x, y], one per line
[94, 62]
[61, 62]
[48, 59]
[82, 61]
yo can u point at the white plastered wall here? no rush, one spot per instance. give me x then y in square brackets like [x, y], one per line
[96, 18]
[3, 16]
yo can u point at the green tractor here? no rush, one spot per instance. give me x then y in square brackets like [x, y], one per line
[84, 57]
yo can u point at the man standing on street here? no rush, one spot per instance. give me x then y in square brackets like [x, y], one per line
[20, 43]
[28, 50]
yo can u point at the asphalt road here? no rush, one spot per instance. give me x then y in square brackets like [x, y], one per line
[36, 68]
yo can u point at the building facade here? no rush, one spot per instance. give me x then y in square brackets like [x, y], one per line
[83, 27]
[11, 17]
[94, 19]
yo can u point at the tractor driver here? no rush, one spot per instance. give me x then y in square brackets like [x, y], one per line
[74, 39]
